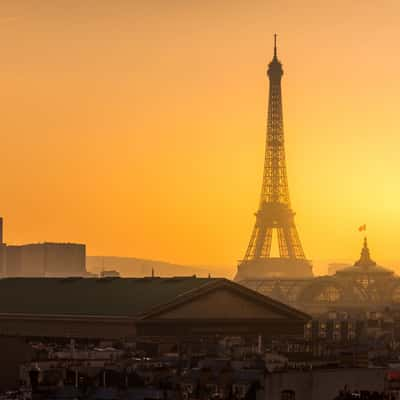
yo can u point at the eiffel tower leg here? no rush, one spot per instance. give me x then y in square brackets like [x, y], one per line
[284, 243]
[267, 242]
[260, 240]
[251, 247]
[296, 244]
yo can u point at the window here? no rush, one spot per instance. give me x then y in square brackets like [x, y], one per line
[328, 295]
[365, 281]
[396, 295]
[288, 395]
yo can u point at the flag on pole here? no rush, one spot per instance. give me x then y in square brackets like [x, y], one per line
[362, 228]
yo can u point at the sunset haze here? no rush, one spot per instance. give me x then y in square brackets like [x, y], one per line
[138, 127]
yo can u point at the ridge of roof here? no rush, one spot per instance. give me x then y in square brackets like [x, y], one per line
[283, 308]
[92, 296]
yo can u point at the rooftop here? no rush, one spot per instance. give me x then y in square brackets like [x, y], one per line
[365, 264]
[90, 296]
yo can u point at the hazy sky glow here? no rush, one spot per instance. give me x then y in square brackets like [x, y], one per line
[138, 127]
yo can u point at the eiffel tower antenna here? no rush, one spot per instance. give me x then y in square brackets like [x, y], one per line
[274, 211]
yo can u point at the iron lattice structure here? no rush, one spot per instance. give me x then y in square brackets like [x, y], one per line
[274, 211]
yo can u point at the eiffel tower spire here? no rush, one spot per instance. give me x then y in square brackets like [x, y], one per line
[274, 211]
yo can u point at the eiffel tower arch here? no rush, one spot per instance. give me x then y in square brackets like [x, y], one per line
[274, 211]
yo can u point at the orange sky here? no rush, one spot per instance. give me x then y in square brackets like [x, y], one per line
[138, 127]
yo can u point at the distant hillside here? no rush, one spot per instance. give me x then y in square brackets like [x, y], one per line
[136, 267]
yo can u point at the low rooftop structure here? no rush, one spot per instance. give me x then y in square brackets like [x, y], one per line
[140, 307]
[364, 285]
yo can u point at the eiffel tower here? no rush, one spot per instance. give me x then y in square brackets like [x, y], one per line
[274, 212]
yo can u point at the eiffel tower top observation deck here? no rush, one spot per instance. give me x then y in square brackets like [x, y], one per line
[274, 213]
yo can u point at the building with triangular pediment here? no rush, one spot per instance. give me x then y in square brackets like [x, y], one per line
[177, 308]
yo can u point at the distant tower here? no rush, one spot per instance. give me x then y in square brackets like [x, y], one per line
[3, 267]
[365, 258]
[274, 212]
[1, 230]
